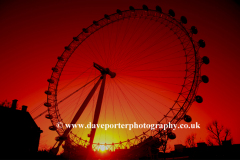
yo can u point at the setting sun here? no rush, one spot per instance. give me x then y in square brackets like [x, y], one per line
[102, 148]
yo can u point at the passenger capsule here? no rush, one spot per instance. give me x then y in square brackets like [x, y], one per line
[199, 99]
[75, 39]
[55, 69]
[201, 43]
[171, 135]
[48, 116]
[119, 12]
[183, 20]
[194, 30]
[107, 17]
[50, 80]
[95, 23]
[205, 60]
[171, 13]
[187, 118]
[145, 7]
[52, 128]
[205, 79]
[67, 48]
[47, 104]
[159, 9]
[132, 8]
[60, 58]
[48, 93]
[85, 30]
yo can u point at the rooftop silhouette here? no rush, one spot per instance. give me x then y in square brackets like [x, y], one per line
[19, 131]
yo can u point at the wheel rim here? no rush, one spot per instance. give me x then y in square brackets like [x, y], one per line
[190, 83]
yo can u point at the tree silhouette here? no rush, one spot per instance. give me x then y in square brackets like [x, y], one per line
[5, 104]
[190, 141]
[165, 146]
[217, 133]
[44, 147]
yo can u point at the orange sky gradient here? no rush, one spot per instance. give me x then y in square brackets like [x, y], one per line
[34, 34]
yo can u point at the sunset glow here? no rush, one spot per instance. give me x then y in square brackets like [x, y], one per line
[102, 148]
[149, 76]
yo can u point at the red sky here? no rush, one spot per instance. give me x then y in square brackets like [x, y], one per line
[33, 35]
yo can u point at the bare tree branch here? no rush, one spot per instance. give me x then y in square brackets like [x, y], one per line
[217, 133]
[190, 141]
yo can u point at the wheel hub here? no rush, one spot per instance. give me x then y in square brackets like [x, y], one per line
[104, 70]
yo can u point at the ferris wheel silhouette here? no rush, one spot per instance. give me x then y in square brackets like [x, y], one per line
[137, 65]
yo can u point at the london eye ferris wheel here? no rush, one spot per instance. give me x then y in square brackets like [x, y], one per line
[137, 65]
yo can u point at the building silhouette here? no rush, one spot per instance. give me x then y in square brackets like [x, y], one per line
[202, 151]
[19, 133]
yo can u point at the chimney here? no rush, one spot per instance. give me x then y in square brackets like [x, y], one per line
[14, 104]
[24, 108]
